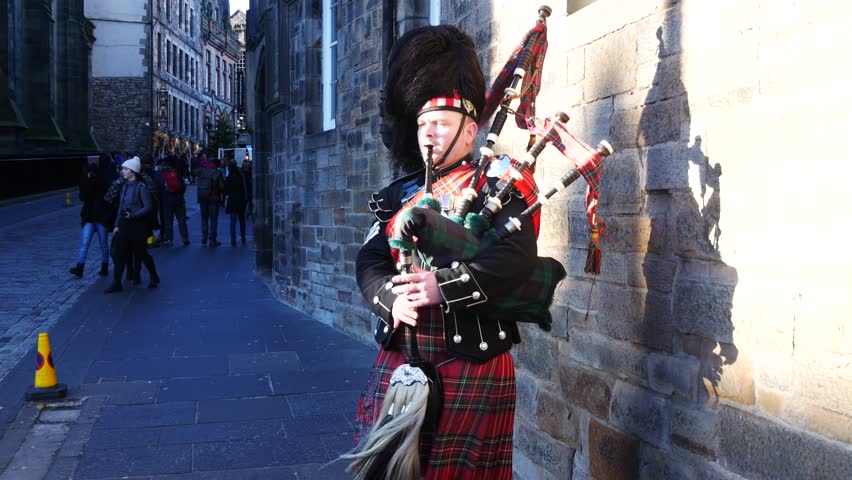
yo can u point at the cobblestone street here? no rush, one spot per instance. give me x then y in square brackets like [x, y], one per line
[207, 377]
[39, 241]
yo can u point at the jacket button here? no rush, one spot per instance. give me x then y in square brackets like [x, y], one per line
[457, 338]
[465, 278]
[376, 300]
[385, 329]
[502, 335]
[388, 285]
[483, 346]
[475, 295]
[454, 265]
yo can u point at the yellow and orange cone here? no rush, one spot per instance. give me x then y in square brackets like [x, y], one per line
[45, 387]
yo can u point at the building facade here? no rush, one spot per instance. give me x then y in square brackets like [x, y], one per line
[177, 54]
[121, 74]
[238, 24]
[222, 55]
[45, 100]
[145, 66]
[714, 344]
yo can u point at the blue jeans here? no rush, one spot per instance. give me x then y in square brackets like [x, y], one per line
[89, 230]
[241, 217]
[171, 213]
[209, 218]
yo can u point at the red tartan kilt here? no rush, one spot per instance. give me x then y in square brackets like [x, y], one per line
[474, 435]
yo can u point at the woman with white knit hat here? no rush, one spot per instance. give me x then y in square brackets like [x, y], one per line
[135, 205]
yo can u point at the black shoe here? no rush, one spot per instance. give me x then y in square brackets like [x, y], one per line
[215, 243]
[115, 287]
[185, 243]
[77, 270]
[244, 240]
[137, 281]
[204, 240]
[154, 282]
[104, 270]
[233, 242]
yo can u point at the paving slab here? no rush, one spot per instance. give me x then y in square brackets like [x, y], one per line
[119, 462]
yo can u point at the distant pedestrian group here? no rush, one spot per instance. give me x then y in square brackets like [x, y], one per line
[140, 199]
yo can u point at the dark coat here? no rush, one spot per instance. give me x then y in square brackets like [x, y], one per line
[236, 194]
[92, 191]
[496, 272]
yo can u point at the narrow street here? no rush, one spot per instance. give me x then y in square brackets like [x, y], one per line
[208, 376]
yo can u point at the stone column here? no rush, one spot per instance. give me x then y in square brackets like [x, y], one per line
[38, 72]
[74, 46]
[11, 120]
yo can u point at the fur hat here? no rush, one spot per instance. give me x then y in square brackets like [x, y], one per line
[424, 64]
[133, 164]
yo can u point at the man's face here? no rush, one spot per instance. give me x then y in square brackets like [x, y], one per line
[438, 128]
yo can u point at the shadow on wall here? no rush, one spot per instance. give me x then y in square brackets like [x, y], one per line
[683, 268]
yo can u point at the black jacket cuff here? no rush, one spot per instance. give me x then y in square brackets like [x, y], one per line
[459, 288]
[381, 304]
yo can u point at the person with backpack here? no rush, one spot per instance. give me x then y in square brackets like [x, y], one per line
[172, 188]
[210, 188]
[134, 210]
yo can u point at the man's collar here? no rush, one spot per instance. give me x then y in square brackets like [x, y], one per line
[444, 170]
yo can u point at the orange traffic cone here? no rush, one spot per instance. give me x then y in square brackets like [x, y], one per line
[45, 387]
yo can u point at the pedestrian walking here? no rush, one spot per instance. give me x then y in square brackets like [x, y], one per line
[182, 167]
[96, 215]
[134, 210]
[210, 187]
[172, 188]
[435, 90]
[112, 198]
[153, 223]
[247, 175]
[236, 198]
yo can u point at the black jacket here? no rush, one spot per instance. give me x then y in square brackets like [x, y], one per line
[236, 195]
[492, 274]
[92, 191]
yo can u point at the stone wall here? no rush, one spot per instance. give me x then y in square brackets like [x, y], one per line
[125, 102]
[716, 343]
[321, 180]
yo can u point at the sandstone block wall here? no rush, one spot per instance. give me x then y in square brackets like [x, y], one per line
[321, 180]
[713, 344]
[717, 341]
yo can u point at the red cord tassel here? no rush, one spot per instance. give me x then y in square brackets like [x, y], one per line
[593, 258]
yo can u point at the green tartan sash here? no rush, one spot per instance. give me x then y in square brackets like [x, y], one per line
[442, 241]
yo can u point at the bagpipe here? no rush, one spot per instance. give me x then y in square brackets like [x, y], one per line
[413, 400]
[462, 235]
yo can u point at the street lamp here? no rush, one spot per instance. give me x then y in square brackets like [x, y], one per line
[163, 102]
